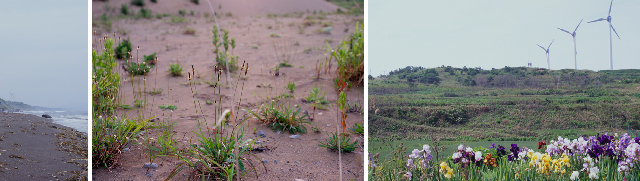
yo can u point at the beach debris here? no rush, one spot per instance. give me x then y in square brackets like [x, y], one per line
[46, 116]
[125, 150]
[261, 134]
[153, 165]
[15, 156]
[264, 161]
[294, 136]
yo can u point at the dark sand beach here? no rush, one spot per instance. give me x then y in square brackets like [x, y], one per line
[34, 148]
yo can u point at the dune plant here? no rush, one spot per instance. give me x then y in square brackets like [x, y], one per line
[332, 141]
[286, 51]
[106, 82]
[317, 100]
[123, 49]
[137, 2]
[138, 69]
[281, 117]
[155, 91]
[110, 136]
[357, 129]
[350, 57]
[175, 69]
[145, 13]
[224, 59]
[165, 107]
[291, 86]
[124, 9]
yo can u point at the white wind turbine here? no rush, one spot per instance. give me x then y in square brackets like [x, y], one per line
[575, 52]
[610, 28]
[547, 50]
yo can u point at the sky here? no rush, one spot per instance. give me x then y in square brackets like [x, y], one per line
[499, 33]
[43, 53]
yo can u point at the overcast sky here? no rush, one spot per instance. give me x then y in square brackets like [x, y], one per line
[43, 53]
[498, 33]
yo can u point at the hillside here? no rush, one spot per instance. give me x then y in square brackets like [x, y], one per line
[14, 105]
[511, 103]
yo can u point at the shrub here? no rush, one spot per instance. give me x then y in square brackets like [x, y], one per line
[145, 13]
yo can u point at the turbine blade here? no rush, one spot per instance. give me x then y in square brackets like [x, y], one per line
[597, 20]
[614, 30]
[542, 48]
[610, 7]
[578, 26]
[564, 30]
[550, 44]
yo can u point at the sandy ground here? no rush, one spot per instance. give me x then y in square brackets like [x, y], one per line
[34, 148]
[288, 159]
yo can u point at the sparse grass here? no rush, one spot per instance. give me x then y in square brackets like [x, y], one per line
[195, 1]
[224, 59]
[291, 86]
[281, 117]
[145, 13]
[138, 69]
[316, 99]
[209, 102]
[189, 31]
[178, 19]
[155, 91]
[124, 9]
[182, 12]
[140, 102]
[165, 107]
[175, 69]
[350, 58]
[357, 129]
[333, 140]
[138, 2]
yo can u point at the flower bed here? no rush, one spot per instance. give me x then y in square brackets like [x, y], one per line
[601, 157]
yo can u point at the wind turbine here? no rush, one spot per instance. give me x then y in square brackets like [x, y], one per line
[547, 50]
[575, 52]
[610, 28]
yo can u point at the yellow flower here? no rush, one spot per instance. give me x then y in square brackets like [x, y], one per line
[449, 173]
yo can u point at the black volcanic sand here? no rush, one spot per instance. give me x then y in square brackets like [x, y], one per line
[34, 148]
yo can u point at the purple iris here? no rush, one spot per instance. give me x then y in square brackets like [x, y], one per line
[604, 139]
[515, 150]
[493, 145]
[501, 151]
[595, 151]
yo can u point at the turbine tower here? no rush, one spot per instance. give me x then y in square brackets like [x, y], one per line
[575, 52]
[610, 28]
[547, 50]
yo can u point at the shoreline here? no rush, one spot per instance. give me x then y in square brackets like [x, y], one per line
[32, 147]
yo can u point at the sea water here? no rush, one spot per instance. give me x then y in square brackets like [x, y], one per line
[78, 120]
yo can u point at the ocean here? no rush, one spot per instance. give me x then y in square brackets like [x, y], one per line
[78, 120]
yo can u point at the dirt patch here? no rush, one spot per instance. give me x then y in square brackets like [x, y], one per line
[255, 31]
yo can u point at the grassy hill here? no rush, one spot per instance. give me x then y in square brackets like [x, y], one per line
[511, 103]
